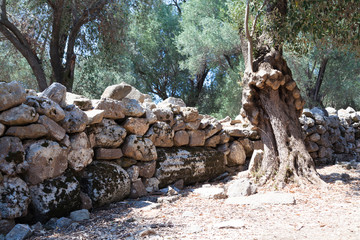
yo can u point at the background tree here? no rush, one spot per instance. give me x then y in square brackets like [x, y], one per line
[64, 18]
[271, 99]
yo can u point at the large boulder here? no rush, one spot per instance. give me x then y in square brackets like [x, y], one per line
[56, 92]
[117, 92]
[81, 154]
[107, 134]
[161, 134]
[113, 109]
[11, 95]
[192, 164]
[47, 107]
[139, 148]
[14, 198]
[55, 197]
[47, 159]
[105, 183]
[19, 115]
[12, 156]
[75, 119]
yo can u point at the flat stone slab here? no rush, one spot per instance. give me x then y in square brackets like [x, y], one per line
[263, 198]
[211, 192]
[234, 223]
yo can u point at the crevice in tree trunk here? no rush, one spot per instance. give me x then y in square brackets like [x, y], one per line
[272, 103]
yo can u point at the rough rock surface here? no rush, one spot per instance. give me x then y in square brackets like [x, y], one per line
[14, 198]
[161, 134]
[94, 116]
[81, 154]
[47, 159]
[47, 107]
[196, 138]
[75, 119]
[191, 164]
[137, 126]
[237, 154]
[55, 131]
[108, 153]
[108, 134]
[132, 108]
[139, 148]
[105, 183]
[11, 94]
[55, 92]
[32, 131]
[117, 92]
[181, 138]
[79, 100]
[55, 197]
[12, 156]
[113, 109]
[20, 115]
[164, 115]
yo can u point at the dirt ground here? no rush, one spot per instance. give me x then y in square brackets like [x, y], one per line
[332, 213]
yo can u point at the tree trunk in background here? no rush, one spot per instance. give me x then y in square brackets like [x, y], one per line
[197, 87]
[316, 95]
[272, 103]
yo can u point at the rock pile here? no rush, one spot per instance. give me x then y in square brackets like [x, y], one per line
[60, 152]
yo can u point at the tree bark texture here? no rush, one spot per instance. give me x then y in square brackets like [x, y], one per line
[272, 103]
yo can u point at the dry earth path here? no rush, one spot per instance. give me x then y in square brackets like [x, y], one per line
[332, 213]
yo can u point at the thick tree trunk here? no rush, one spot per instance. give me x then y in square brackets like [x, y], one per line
[272, 102]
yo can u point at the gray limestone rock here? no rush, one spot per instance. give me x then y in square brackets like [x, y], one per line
[80, 215]
[190, 114]
[107, 134]
[56, 92]
[241, 187]
[196, 138]
[161, 134]
[75, 119]
[19, 115]
[164, 115]
[80, 101]
[12, 156]
[137, 189]
[55, 197]
[19, 232]
[47, 159]
[94, 116]
[192, 164]
[105, 183]
[108, 153]
[47, 107]
[6, 225]
[212, 141]
[32, 131]
[55, 131]
[237, 154]
[117, 92]
[14, 198]
[139, 148]
[113, 109]
[132, 108]
[181, 138]
[146, 169]
[2, 129]
[81, 154]
[11, 95]
[173, 101]
[137, 126]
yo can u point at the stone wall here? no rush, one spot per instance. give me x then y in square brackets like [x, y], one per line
[60, 152]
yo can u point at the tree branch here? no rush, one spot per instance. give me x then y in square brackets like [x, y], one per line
[256, 18]
[3, 10]
[248, 37]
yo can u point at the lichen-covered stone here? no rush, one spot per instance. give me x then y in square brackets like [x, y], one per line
[117, 92]
[137, 126]
[213, 128]
[75, 119]
[105, 183]
[81, 154]
[146, 169]
[55, 131]
[55, 197]
[193, 164]
[47, 159]
[150, 116]
[12, 156]
[14, 198]
[136, 94]
[132, 108]
[113, 109]
[139, 148]
[108, 134]
[56, 92]
[11, 95]
[20, 115]
[161, 134]
[47, 107]
[212, 141]
[32, 131]
[164, 115]
[137, 189]
[240, 131]
[173, 101]
[190, 114]
[179, 123]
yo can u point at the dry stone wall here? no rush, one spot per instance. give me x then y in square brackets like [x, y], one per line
[60, 152]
